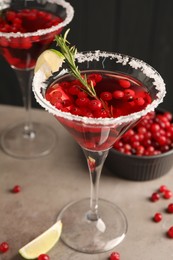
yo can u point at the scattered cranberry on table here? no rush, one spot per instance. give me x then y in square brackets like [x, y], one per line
[155, 197]
[157, 217]
[170, 232]
[153, 135]
[167, 194]
[4, 247]
[114, 256]
[170, 208]
[16, 189]
[43, 257]
[163, 188]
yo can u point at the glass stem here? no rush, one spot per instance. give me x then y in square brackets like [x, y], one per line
[25, 82]
[95, 161]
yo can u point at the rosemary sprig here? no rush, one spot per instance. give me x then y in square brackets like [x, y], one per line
[69, 54]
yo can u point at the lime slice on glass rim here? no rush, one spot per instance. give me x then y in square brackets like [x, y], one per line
[43, 243]
[49, 61]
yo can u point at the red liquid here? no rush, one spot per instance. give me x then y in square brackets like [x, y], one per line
[22, 52]
[67, 96]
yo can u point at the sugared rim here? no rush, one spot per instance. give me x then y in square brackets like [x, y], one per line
[69, 16]
[39, 84]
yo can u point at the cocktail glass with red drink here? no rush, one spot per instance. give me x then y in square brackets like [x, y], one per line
[26, 29]
[126, 89]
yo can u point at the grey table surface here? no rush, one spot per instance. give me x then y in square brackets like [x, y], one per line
[50, 182]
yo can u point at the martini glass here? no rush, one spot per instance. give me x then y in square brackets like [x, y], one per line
[94, 225]
[41, 20]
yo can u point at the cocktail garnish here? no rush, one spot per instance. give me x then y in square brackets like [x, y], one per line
[69, 53]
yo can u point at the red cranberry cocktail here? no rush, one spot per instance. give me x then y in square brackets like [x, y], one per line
[27, 28]
[22, 52]
[125, 89]
[120, 95]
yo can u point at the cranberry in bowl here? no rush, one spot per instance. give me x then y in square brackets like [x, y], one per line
[146, 151]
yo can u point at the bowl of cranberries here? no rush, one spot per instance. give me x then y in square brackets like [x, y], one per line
[144, 152]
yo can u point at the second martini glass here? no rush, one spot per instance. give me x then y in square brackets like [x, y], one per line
[29, 29]
[95, 225]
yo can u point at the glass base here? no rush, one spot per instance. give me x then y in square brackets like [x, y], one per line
[26, 145]
[95, 236]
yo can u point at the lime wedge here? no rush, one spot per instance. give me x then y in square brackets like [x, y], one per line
[49, 61]
[43, 243]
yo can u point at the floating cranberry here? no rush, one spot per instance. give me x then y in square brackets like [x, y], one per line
[129, 94]
[10, 16]
[118, 94]
[82, 94]
[4, 42]
[74, 90]
[75, 110]
[16, 189]
[124, 83]
[139, 101]
[157, 217]
[25, 43]
[43, 257]
[4, 247]
[170, 232]
[106, 96]
[155, 197]
[95, 104]
[167, 194]
[82, 101]
[114, 256]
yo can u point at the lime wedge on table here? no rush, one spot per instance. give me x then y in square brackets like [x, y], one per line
[43, 243]
[49, 61]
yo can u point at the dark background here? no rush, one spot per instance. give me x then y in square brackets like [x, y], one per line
[140, 28]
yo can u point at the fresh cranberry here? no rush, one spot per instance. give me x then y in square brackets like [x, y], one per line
[101, 113]
[167, 194]
[4, 247]
[75, 110]
[82, 101]
[142, 130]
[82, 94]
[74, 90]
[162, 188]
[25, 43]
[129, 94]
[43, 257]
[139, 101]
[118, 94]
[114, 256]
[140, 150]
[10, 15]
[106, 96]
[16, 189]
[124, 83]
[4, 42]
[95, 104]
[155, 127]
[168, 115]
[157, 217]
[155, 196]
[170, 208]
[170, 232]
